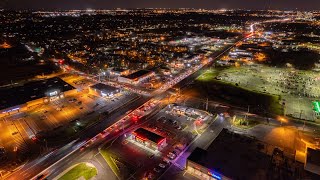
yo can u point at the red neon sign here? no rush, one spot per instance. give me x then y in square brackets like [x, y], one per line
[161, 141]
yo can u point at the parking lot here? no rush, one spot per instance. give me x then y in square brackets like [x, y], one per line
[178, 124]
[77, 81]
[22, 131]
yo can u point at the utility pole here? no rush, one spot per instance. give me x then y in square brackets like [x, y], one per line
[207, 103]
[247, 113]
[46, 143]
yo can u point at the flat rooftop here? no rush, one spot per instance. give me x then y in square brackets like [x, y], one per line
[18, 95]
[137, 74]
[234, 156]
[313, 161]
[146, 134]
[104, 88]
[119, 69]
[313, 156]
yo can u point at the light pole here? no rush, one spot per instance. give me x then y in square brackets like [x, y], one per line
[207, 102]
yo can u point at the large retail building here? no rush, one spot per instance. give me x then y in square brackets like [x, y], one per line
[136, 77]
[103, 90]
[229, 156]
[19, 98]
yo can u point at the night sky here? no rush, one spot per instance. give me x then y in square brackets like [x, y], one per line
[210, 4]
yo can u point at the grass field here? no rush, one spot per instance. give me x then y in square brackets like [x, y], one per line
[265, 89]
[81, 170]
[215, 89]
[208, 75]
[244, 123]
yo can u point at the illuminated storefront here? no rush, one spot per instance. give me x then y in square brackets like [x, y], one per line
[202, 172]
[148, 139]
[103, 90]
[20, 98]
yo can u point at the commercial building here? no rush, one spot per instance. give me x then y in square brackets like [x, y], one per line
[148, 139]
[103, 90]
[19, 98]
[312, 163]
[230, 156]
[136, 77]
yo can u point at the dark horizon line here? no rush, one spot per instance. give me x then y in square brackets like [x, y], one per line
[94, 9]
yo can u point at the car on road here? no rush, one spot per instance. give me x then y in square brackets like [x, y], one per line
[171, 156]
[165, 160]
[103, 134]
[149, 175]
[163, 164]
[156, 169]
[84, 146]
[33, 137]
[41, 177]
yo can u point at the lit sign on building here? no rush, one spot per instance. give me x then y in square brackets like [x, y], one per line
[316, 106]
[10, 110]
[54, 93]
[214, 175]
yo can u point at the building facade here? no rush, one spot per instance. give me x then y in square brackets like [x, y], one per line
[136, 77]
[21, 98]
[149, 139]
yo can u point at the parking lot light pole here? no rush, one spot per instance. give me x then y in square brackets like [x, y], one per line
[207, 102]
